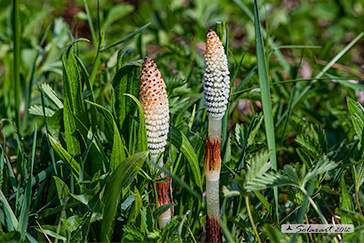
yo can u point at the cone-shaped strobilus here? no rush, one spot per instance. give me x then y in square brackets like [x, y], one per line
[216, 93]
[154, 100]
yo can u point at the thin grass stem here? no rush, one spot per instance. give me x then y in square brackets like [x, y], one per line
[251, 217]
[16, 63]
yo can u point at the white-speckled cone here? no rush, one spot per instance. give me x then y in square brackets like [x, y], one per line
[216, 78]
[154, 100]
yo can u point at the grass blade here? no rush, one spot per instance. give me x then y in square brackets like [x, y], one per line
[127, 37]
[16, 62]
[89, 21]
[121, 177]
[2, 75]
[11, 222]
[265, 94]
[180, 141]
[65, 156]
[51, 94]
[24, 213]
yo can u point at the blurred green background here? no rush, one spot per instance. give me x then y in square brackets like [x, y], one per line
[175, 38]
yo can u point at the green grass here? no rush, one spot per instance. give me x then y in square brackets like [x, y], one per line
[74, 164]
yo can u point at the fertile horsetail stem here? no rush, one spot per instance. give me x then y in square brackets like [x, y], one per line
[154, 100]
[216, 93]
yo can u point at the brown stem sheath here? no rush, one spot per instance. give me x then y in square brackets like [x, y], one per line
[212, 161]
[163, 192]
[163, 199]
[212, 167]
[213, 230]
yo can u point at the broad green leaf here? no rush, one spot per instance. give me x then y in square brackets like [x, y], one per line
[180, 141]
[51, 95]
[160, 210]
[304, 157]
[56, 210]
[120, 178]
[244, 138]
[62, 188]
[127, 203]
[37, 110]
[271, 179]
[121, 54]
[320, 136]
[345, 201]
[55, 124]
[11, 222]
[65, 156]
[108, 118]
[255, 129]
[70, 131]
[117, 152]
[126, 81]
[349, 214]
[261, 198]
[142, 143]
[258, 165]
[72, 83]
[357, 116]
[50, 231]
[72, 223]
[358, 175]
[96, 159]
[150, 219]
[143, 217]
[310, 145]
[321, 167]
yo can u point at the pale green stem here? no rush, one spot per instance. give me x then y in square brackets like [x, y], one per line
[212, 198]
[251, 218]
[214, 129]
